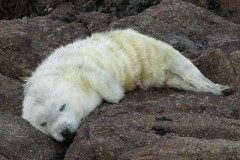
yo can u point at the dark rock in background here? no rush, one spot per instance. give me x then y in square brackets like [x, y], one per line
[152, 124]
[229, 9]
[119, 8]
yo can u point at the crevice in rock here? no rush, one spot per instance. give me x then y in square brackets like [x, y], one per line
[235, 114]
[231, 64]
[18, 79]
[163, 118]
[85, 25]
[121, 8]
[162, 131]
[214, 6]
[69, 17]
[1, 155]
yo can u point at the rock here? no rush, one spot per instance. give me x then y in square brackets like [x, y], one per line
[190, 29]
[95, 22]
[63, 9]
[161, 123]
[49, 3]
[119, 8]
[10, 95]
[17, 9]
[24, 43]
[228, 9]
[20, 9]
[22, 142]
[15, 44]
[221, 68]
[33, 39]
[165, 123]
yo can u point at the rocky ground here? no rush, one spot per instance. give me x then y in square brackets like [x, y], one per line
[153, 124]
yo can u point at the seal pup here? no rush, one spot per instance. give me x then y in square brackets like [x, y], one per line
[76, 78]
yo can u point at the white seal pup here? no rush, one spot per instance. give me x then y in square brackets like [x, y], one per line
[75, 78]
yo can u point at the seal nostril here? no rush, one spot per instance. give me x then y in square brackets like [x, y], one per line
[66, 133]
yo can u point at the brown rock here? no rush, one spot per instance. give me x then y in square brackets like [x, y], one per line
[63, 9]
[95, 22]
[152, 124]
[189, 28]
[119, 8]
[221, 68]
[176, 125]
[20, 141]
[165, 123]
[10, 95]
[25, 42]
[229, 9]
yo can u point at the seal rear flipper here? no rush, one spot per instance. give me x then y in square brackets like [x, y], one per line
[138, 84]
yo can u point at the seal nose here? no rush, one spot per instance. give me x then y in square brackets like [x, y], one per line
[66, 133]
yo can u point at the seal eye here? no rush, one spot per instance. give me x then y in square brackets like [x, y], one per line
[62, 107]
[43, 124]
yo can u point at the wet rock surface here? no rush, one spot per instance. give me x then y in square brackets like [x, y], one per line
[152, 124]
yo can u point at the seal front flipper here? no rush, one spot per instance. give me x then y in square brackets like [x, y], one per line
[106, 86]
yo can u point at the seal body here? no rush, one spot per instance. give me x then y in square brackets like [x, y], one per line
[75, 78]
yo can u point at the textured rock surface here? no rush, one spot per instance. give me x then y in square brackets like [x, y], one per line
[119, 8]
[167, 124]
[229, 9]
[188, 28]
[10, 95]
[153, 124]
[23, 44]
[33, 39]
[221, 68]
[20, 141]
